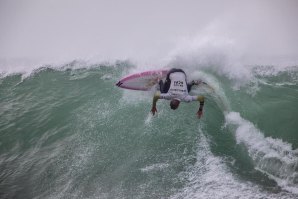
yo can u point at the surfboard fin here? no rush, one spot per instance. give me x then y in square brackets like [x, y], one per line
[119, 84]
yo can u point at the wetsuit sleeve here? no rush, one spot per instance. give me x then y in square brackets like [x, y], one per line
[155, 99]
[201, 99]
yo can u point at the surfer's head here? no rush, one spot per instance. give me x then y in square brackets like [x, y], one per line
[174, 104]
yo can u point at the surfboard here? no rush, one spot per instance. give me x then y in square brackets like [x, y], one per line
[143, 81]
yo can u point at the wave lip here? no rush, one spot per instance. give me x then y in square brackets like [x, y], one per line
[273, 157]
[211, 178]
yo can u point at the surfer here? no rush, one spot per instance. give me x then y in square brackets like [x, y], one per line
[176, 89]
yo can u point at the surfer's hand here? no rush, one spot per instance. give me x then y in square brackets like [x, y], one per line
[200, 113]
[153, 110]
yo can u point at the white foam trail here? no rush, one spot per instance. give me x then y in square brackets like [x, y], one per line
[155, 167]
[148, 119]
[210, 178]
[271, 156]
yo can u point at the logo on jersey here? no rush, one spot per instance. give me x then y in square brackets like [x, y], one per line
[178, 83]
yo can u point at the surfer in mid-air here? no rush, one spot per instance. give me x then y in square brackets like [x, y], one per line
[176, 89]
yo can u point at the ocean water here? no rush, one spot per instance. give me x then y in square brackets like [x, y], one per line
[68, 132]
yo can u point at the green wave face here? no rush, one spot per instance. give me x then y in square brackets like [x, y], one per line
[72, 133]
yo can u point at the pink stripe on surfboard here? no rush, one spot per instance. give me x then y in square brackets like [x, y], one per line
[142, 74]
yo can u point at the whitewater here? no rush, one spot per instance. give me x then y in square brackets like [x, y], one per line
[68, 132]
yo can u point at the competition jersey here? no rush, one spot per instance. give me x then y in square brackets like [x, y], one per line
[178, 89]
[178, 84]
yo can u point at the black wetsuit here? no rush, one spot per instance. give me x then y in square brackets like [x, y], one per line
[164, 87]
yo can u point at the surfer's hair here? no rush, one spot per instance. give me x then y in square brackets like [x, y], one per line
[174, 103]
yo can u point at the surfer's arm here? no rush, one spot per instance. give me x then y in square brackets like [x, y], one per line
[202, 101]
[154, 101]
